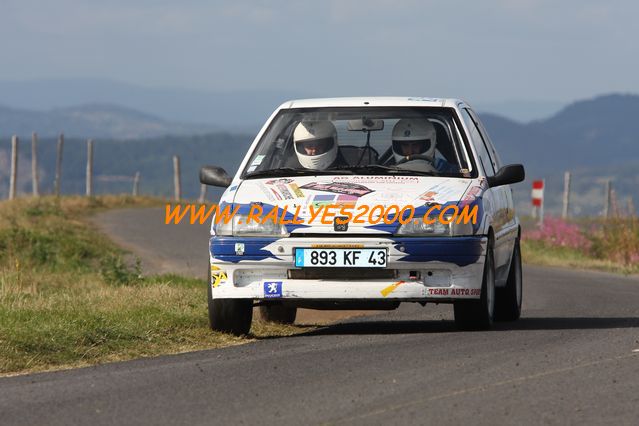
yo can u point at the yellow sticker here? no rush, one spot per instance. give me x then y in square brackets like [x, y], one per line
[296, 190]
[219, 278]
[391, 288]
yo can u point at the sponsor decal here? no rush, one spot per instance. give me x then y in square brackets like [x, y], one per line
[296, 190]
[347, 188]
[422, 99]
[391, 179]
[337, 245]
[322, 200]
[272, 289]
[278, 196]
[284, 191]
[442, 192]
[267, 192]
[391, 288]
[279, 181]
[471, 195]
[346, 200]
[454, 292]
[258, 160]
[428, 196]
[218, 276]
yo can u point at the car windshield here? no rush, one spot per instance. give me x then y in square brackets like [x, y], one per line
[367, 140]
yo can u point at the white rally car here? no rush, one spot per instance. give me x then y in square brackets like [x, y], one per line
[351, 203]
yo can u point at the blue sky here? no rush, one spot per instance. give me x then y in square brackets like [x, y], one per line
[483, 51]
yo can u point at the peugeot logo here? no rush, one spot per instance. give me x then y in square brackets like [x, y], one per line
[342, 226]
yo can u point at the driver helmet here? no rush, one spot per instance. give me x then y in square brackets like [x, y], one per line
[414, 136]
[315, 144]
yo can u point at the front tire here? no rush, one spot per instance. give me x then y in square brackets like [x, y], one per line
[229, 315]
[508, 299]
[278, 314]
[478, 314]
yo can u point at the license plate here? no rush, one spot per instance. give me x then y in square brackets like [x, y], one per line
[341, 257]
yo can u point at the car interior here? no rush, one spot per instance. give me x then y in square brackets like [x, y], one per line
[368, 141]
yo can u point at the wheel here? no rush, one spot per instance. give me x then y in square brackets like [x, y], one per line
[229, 315]
[278, 313]
[478, 314]
[508, 299]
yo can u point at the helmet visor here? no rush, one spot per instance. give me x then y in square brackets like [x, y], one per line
[415, 147]
[314, 146]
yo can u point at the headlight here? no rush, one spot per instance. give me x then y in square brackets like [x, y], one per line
[224, 229]
[239, 228]
[418, 227]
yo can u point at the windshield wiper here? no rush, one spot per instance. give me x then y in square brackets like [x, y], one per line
[290, 171]
[373, 168]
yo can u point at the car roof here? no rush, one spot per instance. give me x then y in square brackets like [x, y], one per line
[384, 101]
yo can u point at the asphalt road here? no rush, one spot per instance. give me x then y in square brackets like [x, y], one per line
[572, 359]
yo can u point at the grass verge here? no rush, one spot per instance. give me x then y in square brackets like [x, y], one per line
[69, 297]
[541, 253]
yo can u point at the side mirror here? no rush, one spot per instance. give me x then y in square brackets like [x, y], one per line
[215, 176]
[511, 173]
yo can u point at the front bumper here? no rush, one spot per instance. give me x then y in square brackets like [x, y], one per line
[418, 269]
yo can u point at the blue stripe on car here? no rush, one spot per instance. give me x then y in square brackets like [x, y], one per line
[223, 248]
[461, 251]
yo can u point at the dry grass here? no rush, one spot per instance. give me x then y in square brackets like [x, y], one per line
[68, 298]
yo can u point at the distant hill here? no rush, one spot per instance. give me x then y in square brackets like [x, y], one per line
[232, 110]
[596, 139]
[594, 132]
[520, 110]
[95, 121]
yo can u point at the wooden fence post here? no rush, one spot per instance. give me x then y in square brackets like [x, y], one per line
[564, 212]
[34, 165]
[136, 184]
[89, 181]
[177, 187]
[613, 203]
[202, 194]
[58, 165]
[607, 206]
[13, 180]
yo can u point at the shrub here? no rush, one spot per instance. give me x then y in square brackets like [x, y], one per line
[617, 239]
[558, 232]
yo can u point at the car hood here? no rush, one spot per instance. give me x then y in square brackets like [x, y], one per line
[298, 194]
